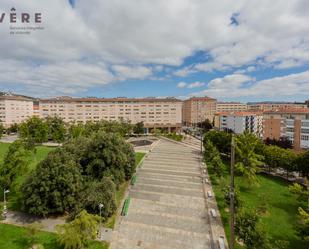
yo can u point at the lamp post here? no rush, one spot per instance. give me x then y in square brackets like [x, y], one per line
[100, 208]
[5, 191]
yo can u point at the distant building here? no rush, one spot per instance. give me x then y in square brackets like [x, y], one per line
[231, 107]
[15, 109]
[307, 103]
[272, 106]
[239, 122]
[290, 123]
[198, 109]
[163, 113]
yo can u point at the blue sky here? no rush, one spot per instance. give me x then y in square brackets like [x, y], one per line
[231, 50]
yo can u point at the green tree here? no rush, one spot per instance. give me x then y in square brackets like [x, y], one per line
[76, 130]
[248, 162]
[237, 201]
[12, 129]
[302, 164]
[139, 128]
[54, 187]
[108, 155]
[95, 192]
[250, 231]
[14, 164]
[220, 139]
[78, 233]
[206, 125]
[34, 129]
[56, 128]
[303, 227]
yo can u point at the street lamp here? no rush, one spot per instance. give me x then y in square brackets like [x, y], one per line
[5, 191]
[100, 208]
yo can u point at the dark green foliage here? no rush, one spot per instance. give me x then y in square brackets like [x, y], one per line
[237, 200]
[56, 129]
[220, 139]
[206, 125]
[283, 142]
[54, 187]
[12, 129]
[35, 129]
[212, 157]
[174, 136]
[139, 128]
[1, 129]
[302, 163]
[14, 164]
[249, 230]
[108, 154]
[103, 191]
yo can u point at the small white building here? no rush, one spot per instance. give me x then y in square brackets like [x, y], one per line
[239, 122]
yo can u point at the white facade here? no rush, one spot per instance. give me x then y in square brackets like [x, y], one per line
[241, 122]
[15, 109]
[153, 112]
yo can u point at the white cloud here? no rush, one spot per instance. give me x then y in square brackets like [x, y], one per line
[196, 84]
[131, 72]
[239, 85]
[181, 85]
[119, 34]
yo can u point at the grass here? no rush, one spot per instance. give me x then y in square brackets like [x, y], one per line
[33, 159]
[110, 222]
[281, 216]
[14, 237]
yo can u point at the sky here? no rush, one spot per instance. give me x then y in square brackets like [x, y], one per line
[238, 50]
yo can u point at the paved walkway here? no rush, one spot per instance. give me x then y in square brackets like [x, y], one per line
[168, 206]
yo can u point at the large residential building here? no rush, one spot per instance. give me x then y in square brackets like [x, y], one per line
[15, 109]
[291, 123]
[272, 106]
[198, 109]
[239, 122]
[231, 107]
[163, 113]
[307, 103]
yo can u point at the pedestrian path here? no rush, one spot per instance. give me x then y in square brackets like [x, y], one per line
[167, 208]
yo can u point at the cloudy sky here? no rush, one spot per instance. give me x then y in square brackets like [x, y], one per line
[232, 50]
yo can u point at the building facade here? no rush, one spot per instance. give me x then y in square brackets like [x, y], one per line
[239, 122]
[290, 123]
[198, 109]
[272, 106]
[231, 107]
[163, 113]
[15, 109]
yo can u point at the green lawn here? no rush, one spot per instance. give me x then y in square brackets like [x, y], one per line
[14, 237]
[281, 216]
[110, 223]
[34, 159]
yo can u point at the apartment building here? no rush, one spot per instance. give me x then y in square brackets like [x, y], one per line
[198, 109]
[231, 107]
[15, 109]
[291, 123]
[239, 122]
[163, 113]
[272, 106]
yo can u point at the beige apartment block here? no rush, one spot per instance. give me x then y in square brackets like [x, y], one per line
[239, 122]
[291, 123]
[198, 109]
[231, 107]
[274, 106]
[15, 109]
[163, 113]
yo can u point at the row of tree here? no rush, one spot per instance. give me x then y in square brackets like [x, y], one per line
[254, 155]
[55, 129]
